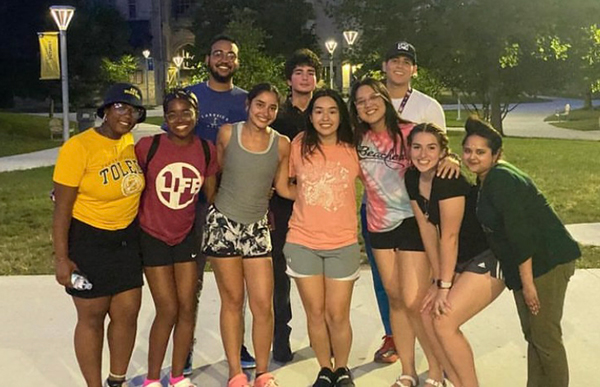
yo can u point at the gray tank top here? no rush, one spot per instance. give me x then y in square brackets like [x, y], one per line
[243, 194]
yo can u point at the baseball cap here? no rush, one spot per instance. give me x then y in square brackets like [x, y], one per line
[402, 48]
[125, 93]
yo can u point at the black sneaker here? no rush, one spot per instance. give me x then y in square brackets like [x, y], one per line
[247, 360]
[343, 377]
[326, 378]
[189, 360]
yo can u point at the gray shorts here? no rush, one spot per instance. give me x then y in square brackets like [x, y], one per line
[342, 263]
[224, 237]
[482, 263]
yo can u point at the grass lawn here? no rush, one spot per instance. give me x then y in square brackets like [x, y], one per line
[555, 165]
[451, 118]
[578, 120]
[155, 120]
[23, 133]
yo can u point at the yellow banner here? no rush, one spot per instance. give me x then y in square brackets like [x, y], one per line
[49, 60]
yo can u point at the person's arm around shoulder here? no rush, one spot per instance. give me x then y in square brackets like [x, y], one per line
[223, 139]
[63, 210]
[283, 186]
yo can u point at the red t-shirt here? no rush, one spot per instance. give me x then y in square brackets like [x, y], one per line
[173, 179]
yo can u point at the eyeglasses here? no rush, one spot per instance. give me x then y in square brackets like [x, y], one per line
[220, 54]
[186, 115]
[123, 108]
[361, 103]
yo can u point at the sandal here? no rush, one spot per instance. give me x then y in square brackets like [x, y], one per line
[406, 378]
[435, 383]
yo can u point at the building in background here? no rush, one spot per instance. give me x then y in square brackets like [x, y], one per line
[164, 28]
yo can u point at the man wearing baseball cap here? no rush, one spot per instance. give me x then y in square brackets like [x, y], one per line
[400, 65]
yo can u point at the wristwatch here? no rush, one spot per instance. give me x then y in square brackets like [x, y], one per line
[443, 285]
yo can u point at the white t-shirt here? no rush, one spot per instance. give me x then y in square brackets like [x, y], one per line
[421, 108]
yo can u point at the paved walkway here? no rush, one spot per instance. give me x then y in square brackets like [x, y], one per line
[38, 318]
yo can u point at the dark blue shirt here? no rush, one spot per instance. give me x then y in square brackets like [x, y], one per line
[217, 108]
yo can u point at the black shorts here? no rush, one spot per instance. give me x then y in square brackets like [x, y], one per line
[480, 264]
[157, 253]
[109, 259]
[405, 237]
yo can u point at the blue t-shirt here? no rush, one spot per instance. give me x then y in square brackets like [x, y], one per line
[217, 108]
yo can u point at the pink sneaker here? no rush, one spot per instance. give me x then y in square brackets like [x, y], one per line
[239, 380]
[265, 380]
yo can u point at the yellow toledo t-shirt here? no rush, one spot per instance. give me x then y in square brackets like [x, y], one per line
[107, 175]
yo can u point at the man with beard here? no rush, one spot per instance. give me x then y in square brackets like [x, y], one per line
[302, 72]
[219, 102]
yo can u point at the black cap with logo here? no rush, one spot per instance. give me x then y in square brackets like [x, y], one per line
[402, 49]
[125, 93]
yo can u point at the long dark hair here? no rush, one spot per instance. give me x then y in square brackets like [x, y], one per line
[392, 119]
[310, 140]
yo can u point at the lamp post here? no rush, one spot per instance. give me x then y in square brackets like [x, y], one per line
[331, 45]
[146, 54]
[350, 37]
[178, 60]
[62, 15]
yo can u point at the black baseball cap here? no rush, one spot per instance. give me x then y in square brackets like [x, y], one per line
[125, 93]
[402, 49]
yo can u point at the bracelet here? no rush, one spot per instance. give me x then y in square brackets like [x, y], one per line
[443, 285]
[454, 156]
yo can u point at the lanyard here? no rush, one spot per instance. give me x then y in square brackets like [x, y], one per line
[404, 100]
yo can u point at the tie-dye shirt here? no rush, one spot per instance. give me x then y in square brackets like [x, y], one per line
[324, 215]
[383, 169]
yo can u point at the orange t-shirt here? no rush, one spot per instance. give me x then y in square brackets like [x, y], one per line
[324, 216]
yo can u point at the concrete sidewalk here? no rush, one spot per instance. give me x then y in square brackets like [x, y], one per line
[36, 342]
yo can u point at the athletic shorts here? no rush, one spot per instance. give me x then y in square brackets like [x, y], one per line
[480, 264]
[223, 237]
[157, 253]
[405, 237]
[341, 264]
[109, 259]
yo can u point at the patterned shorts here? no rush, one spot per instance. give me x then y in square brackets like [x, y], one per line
[224, 237]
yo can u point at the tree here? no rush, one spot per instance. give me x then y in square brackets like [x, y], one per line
[285, 23]
[489, 49]
[119, 70]
[255, 64]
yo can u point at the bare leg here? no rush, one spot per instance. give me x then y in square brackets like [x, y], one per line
[162, 287]
[389, 270]
[89, 334]
[338, 295]
[312, 294]
[470, 294]
[123, 312]
[186, 280]
[258, 273]
[229, 274]
[415, 275]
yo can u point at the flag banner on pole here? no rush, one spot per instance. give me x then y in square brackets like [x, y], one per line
[49, 56]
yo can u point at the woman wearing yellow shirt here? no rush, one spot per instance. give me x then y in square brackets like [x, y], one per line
[97, 183]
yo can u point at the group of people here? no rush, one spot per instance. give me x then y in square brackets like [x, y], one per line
[441, 248]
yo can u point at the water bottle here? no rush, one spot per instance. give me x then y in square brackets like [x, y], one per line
[80, 282]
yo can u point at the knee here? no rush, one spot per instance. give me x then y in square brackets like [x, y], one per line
[167, 313]
[233, 303]
[262, 309]
[337, 319]
[394, 297]
[187, 310]
[444, 326]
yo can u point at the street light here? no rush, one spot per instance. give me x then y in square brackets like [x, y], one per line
[62, 15]
[331, 45]
[178, 60]
[350, 37]
[146, 54]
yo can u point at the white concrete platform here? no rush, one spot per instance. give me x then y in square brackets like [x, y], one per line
[38, 319]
